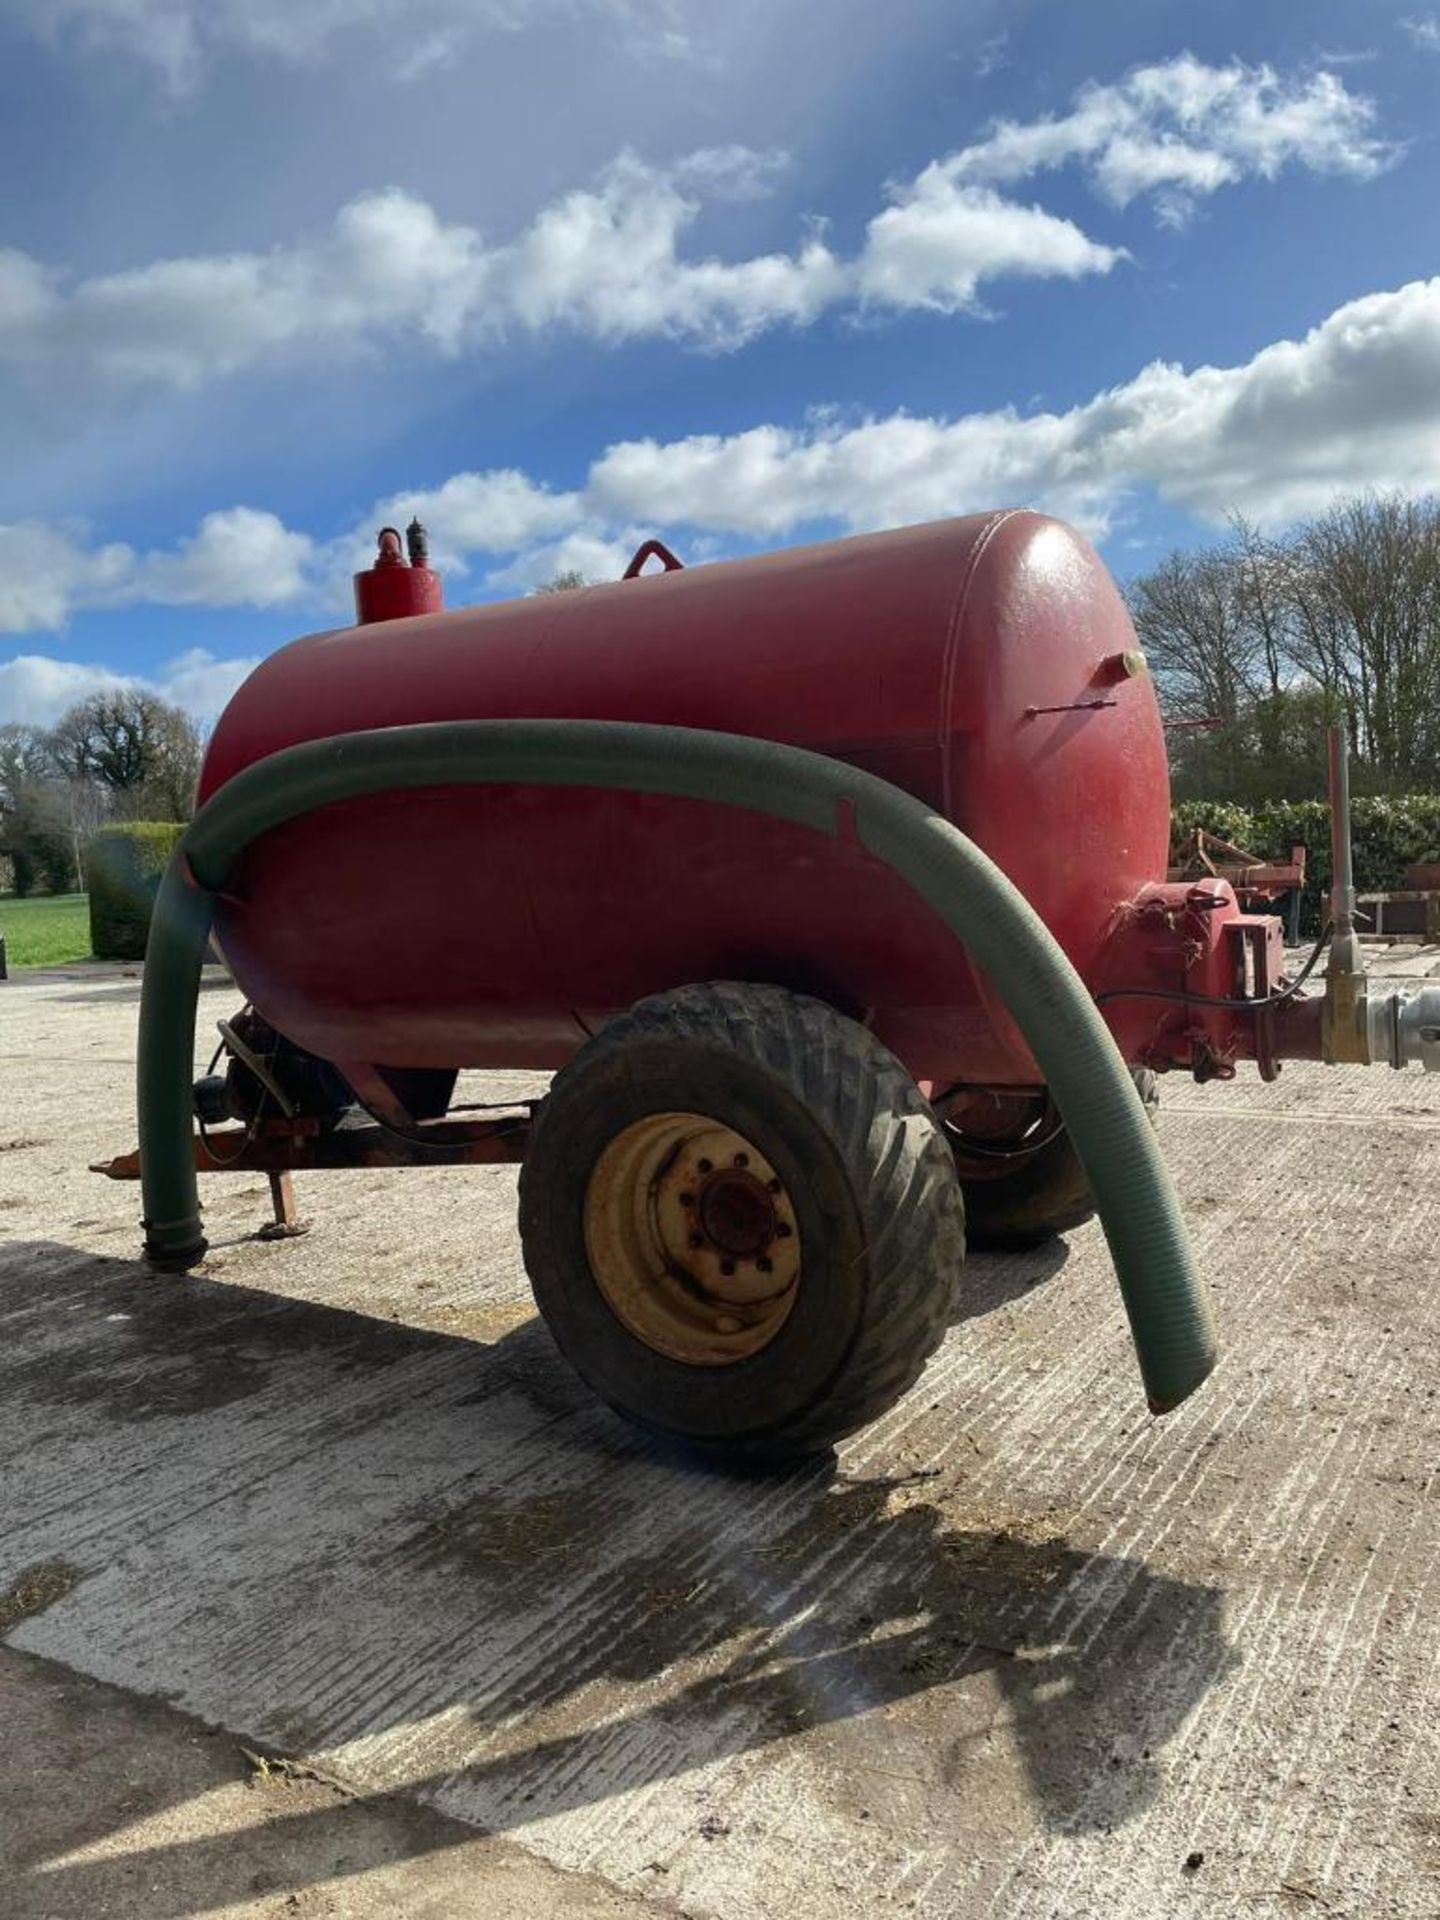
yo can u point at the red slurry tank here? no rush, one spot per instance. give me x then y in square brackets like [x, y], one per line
[985, 665]
[747, 891]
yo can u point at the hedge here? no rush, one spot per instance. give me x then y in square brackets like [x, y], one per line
[123, 868]
[1388, 835]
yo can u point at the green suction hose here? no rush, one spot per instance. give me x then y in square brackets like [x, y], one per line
[1170, 1316]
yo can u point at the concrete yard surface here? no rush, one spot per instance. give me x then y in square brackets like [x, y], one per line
[112, 1804]
[1018, 1652]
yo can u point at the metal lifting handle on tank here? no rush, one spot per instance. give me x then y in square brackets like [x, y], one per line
[652, 550]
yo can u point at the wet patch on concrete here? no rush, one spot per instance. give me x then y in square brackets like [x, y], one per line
[494, 1532]
[34, 1589]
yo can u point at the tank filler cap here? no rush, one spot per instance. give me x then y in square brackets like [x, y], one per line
[397, 587]
[1129, 665]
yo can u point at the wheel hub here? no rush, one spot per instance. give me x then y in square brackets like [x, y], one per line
[692, 1238]
[736, 1214]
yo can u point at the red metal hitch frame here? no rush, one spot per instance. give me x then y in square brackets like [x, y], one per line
[281, 1147]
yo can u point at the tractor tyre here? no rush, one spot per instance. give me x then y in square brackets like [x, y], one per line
[742, 1221]
[1046, 1193]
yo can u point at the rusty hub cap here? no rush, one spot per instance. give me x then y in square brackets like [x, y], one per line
[692, 1239]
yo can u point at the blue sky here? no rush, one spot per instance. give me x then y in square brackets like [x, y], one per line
[563, 273]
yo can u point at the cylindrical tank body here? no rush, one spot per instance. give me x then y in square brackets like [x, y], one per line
[977, 663]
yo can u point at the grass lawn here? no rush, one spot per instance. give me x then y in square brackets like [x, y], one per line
[46, 931]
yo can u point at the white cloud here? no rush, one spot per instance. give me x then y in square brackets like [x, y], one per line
[493, 512]
[239, 557]
[46, 570]
[1353, 404]
[768, 481]
[501, 511]
[608, 262]
[1178, 130]
[388, 263]
[994, 55]
[942, 238]
[182, 39]
[604, 261]
[1424, 31]
[201, 683]
[584, 551]
[731, 172]
[36, 689]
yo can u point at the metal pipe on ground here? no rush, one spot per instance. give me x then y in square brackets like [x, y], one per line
[1344, 942]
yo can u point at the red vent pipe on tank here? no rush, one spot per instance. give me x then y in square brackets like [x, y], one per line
[396, 588]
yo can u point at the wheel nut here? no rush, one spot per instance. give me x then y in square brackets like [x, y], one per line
[762, 1264]
[697, 1240]
[783, 1229]
[742, 1160]
[727, 1266]
[687, 1199]
[773, 1185]
[703, 1165]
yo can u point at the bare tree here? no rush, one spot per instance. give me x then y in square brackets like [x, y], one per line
[1319, 637]
[36, 829]
[178, 748]
[1270, 637]
[1368, 573]
[25, 759]
[1194, 621]
[143, 752]
[1261, 568]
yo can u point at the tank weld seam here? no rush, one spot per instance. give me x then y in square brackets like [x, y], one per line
[952, 649]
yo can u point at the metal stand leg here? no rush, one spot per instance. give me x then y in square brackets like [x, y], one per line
[286, 1224]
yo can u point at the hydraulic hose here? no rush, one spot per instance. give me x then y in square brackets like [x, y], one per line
[1170, 1316]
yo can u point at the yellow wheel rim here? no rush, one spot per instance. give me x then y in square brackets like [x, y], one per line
[692, 1239]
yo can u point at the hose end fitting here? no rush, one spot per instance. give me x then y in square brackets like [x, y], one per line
[1403, 1029]
[167, 1257]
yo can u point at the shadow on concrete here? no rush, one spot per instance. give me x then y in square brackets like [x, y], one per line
[119, 988]
[87, 1764]
[478, 1503]
[993, 1280]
